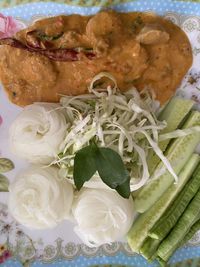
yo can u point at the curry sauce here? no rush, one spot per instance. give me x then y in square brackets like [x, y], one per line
[138, 49]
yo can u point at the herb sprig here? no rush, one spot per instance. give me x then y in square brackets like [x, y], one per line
[107, 163]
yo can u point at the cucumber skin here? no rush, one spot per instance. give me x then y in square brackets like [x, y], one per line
[171, 216]
[174, 239]
[149, 248]
[191, 233]
[139, 231]
[178, 154]
[179, 106]
[162, 262]
[146, 221]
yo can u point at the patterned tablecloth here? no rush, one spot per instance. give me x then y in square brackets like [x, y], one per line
[60, 248]
[8, 3]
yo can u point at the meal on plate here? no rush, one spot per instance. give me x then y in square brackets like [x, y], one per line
[110, 145]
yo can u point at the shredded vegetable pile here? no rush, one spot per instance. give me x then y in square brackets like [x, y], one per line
[122, 121]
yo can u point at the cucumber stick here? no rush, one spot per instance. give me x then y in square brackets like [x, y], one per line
[174, 113]
[149, 248]
[162, 262]
[175, 237]
[146, 221]
[173, 213]
[178, 154]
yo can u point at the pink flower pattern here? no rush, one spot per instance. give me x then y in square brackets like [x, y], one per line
[1, 120]
[5, 254]
[9, 26]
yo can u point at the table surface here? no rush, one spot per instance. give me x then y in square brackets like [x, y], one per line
[9, 3]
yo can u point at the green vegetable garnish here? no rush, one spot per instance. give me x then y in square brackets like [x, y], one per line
[107, 163]
[173, 113]
[171, 216]
[84, 165]
[178, 154]
[122, 121]
[144, 223]
[175, 237]
[149, 248]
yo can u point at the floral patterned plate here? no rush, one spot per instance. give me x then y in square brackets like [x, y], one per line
[60, 246]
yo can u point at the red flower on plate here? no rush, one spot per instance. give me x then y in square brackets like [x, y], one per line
[6, 254]
[9, 26]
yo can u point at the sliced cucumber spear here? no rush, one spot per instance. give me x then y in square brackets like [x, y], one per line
[174, 113]
[146, 221]
[173, 213]
[178, 154]
[162, 262]
[175, 237]
[149, 248]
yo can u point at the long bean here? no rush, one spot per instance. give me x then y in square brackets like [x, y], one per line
[171, 216]
[175, 237]
[144, 223]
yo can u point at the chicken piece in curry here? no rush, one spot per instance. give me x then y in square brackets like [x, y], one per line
[61, 55]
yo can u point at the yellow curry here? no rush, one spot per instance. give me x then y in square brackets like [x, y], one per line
[61, 55]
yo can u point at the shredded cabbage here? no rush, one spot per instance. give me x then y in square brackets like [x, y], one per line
[123, 121]
[179, 133]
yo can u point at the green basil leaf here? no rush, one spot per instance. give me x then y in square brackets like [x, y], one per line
[6, 165]
[111, 167]
[84, 165]
[4, 183]
[124, 189]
